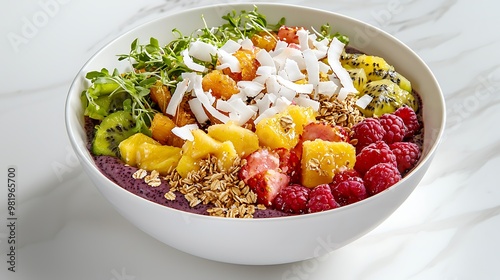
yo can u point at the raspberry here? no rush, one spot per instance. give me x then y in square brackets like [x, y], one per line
[345, 175]
[380, 177]
[407, 154]
[292, 199]
[378, 152]
[410, 119]
[349, 191]
[366, 132]
[395, 128]
[321, 199]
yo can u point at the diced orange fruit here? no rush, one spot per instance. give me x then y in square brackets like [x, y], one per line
[161, 128]
[244, 140]
[283, 130]
[160, 95]
[321, 160]
[144, 152]
[265, 41]
[221, 85]
[248, 65]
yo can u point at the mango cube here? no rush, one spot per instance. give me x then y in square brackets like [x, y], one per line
[201, 147]
[321, 160]
[129, 147]
[283, 130]
[244, 140]
[187, 164]
[144, 152]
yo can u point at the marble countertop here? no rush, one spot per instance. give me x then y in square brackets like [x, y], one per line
[447, 229]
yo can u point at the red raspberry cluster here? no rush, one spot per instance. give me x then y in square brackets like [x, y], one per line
[384, 154]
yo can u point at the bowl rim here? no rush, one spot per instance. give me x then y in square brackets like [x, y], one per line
[86, 158]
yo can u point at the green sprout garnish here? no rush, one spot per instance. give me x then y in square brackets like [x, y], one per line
[130, 91]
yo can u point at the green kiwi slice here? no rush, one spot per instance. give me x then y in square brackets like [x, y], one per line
[103, 105]
[113, 129]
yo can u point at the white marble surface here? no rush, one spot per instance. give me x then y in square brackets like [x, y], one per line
[447, 229]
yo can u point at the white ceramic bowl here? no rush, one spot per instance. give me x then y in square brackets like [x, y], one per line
[273, 240]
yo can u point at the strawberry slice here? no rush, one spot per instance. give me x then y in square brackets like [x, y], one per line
[267, 184]
[289, 34]
[289, 163]
[258, 162]
[321, 130]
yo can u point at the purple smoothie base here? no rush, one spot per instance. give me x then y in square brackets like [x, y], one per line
[116, 171]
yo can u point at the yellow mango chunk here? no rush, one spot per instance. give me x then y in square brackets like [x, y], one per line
[321, 160]
[144, 152]
[283, 130]
[201, 147]
[187, 164]
[244, 140]
[158, 157]
[129, 147]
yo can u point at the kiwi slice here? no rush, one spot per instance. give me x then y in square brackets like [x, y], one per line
[113, 129]
[387, 97]
[104, 105]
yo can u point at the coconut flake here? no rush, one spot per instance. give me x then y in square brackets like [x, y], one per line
[176, 99]
[206, 99]
[342, 95]
[303, 36]
[190, 63]
[184, 132]
[228, 61]
[323, 67]
[223, 106]
[298, 88]
[250, 88]
[272, 85]
[327, 88]
[266, 114]
[247, 44]
[265, 102]
[293, 71]
[281, 104]
[264, 58]
[284, 54]
[197, 109]
[286, 93]
[231, 46]
[363, 101]
[266, 71]
[305, 101]
[321, 48]
[312, 67]
[333, 56]
[193, 77]
[202, 51]
[242, 112]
